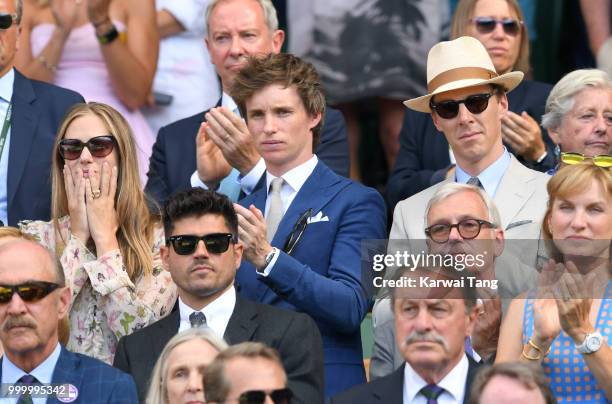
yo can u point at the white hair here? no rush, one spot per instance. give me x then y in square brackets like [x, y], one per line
[267, 7]
[562, 97]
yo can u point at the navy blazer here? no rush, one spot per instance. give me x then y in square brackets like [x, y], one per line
[38, 110]
[423, 158]
[173, 159]
[95, 381]
[324, 276]
[390, 388]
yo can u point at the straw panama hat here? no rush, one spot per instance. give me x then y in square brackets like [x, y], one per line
[463, 62]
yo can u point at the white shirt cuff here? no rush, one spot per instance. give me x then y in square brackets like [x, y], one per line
[250, 180]
[196, 182]
[268, 268]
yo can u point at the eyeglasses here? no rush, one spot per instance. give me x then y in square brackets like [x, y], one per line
[99, 146]
[296, 233]
[602, 160]
[6, 20]
[280, 396]
[486, 25]
[468, 229]
[449, 109]
[28, 292]
[216, 243]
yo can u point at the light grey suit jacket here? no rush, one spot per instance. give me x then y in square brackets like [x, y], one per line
[521, 199]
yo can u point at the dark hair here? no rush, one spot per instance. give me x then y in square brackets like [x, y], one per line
[529, 375]
[197, 202]
[287, 70]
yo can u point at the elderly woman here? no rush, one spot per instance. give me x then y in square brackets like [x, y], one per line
[424, 158]
[103, 232]
[579, 117]
[178, 374]
[565, 326]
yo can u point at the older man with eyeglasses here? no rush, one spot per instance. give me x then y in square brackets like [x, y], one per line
[35, 367]
[467, 101]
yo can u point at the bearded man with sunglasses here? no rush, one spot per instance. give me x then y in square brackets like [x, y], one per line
[467, 101]
[202, 254]
[33, 299]
[31, 112]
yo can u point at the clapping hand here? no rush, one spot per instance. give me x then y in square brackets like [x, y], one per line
[523, 134]
[64, 13]
[252, 231]
[97, 11]
[212, 165]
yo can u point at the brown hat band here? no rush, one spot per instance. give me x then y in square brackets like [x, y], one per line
[461, 73]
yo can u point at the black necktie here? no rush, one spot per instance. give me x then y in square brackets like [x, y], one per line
[197, 319]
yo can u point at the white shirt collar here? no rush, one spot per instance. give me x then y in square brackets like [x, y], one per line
[217, 312]
[297, 176]
[229, 103]
[6, 85]
[43, 372]
[453, 383]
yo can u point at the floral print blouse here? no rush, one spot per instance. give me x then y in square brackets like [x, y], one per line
[106, 304]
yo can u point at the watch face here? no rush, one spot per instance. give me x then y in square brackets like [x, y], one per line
[593, 343]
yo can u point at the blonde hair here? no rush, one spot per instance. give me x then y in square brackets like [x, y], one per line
[465, 11]
[572, 180]
[158, 393]
[136, 221]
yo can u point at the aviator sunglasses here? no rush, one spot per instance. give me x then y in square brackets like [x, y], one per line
[602, 160]
[486, 25]
[28, 292]
[280, 396]
[449, 109]
[216, 243]
[6, 20]
[99, 146]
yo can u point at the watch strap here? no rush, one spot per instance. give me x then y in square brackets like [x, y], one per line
[584, 347]
[109, 36]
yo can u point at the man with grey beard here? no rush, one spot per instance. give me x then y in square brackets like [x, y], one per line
[431, 327]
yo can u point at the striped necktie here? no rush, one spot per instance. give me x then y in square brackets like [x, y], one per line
[432, 392]
[27, 380]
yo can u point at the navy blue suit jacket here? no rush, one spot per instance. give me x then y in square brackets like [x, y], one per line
[423, 158]
[173, 160]
[323, 276]
[96, 382]
[38, 110]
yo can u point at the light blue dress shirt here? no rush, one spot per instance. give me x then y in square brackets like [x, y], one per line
[6, 93]
[43, 373]
[490, 177]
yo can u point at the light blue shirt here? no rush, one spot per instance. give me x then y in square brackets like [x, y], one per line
[490, 177]
[6, 93]
[43, 373]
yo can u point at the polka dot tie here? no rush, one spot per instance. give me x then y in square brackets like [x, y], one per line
[197, 319]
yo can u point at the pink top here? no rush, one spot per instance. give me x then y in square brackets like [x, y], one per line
[82, 69]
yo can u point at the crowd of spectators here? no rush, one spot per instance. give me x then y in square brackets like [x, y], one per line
[231, 257]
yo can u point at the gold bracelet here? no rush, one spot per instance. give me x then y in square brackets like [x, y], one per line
[43, 61]
[540, 355]
[537, 348]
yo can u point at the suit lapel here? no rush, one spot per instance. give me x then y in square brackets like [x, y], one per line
[24, 121]
[473, 368]
[242, 324]
[391, 390]
[167, 328]
[513, 191]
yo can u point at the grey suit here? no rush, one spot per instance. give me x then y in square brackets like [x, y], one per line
[521, 199]
[294, 335]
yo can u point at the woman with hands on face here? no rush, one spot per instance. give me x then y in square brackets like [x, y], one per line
[106, 50]
[103, 232]
[566, 325]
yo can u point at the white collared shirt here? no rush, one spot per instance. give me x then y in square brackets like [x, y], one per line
[6, 93]
[43, 373]
[217, 312]
[453, 384]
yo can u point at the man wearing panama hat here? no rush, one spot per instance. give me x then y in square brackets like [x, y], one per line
[467, 100]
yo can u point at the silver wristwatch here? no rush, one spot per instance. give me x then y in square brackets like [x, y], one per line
[592, 342]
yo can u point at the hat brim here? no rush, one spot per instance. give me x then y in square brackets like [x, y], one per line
[508, 80]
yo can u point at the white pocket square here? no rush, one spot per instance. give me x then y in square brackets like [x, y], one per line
[317, 218]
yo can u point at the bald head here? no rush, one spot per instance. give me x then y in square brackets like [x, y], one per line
[25, 254]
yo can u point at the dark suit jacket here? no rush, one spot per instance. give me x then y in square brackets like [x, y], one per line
[389, 389]
[293, 335]
[423, 158]
[96, 382]
[173, 160]
[323, 276]
[38, 110]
